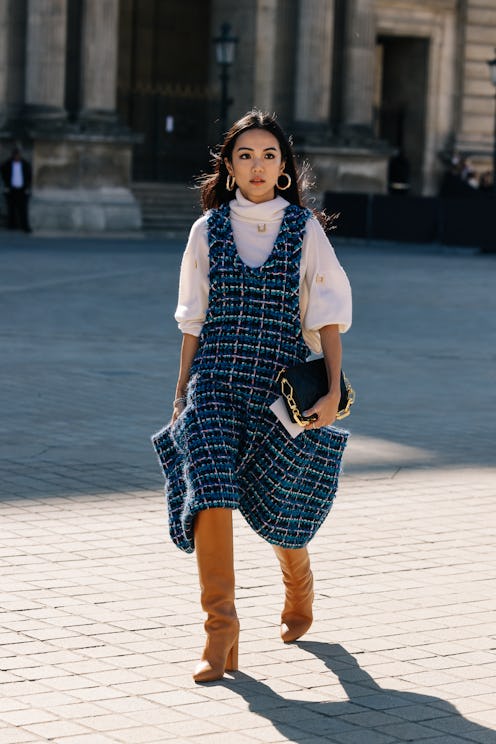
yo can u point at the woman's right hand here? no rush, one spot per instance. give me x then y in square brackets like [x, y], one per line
[179, 406]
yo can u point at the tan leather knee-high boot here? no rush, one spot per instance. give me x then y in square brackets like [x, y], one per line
[214, 554]
[296, 617]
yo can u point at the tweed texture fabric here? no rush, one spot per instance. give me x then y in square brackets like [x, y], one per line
[227, 449]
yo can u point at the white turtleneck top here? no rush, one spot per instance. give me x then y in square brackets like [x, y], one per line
[325, 294]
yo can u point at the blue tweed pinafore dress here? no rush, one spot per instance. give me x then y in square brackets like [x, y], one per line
[227, 449]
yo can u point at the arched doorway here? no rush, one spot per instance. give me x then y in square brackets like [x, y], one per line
[163, 87]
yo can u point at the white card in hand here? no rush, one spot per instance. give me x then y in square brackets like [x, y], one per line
[279, 410]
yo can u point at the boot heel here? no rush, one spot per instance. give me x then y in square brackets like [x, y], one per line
[232, 658]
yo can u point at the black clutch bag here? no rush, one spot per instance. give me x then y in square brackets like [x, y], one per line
[302, 386]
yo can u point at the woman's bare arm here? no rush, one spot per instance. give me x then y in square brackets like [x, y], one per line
[189, 347]
[327, 407]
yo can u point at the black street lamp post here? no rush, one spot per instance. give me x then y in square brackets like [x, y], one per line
[225, 51]
[492, 69]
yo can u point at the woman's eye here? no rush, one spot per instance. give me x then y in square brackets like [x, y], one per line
[244, 156]
[269, 155]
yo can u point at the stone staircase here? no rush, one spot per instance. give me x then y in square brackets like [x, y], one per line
[169, 208]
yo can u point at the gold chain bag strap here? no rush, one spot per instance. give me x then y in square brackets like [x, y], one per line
[302, 386]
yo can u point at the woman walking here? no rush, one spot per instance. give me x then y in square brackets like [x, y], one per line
[260, 287]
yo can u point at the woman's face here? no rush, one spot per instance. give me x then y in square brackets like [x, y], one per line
[256, 164]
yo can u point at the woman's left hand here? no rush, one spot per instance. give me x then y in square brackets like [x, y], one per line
[326, 409]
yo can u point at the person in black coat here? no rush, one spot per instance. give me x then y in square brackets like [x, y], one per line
[399, 174]
[16, 176]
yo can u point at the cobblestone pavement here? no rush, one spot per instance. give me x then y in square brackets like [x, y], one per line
[101, 625]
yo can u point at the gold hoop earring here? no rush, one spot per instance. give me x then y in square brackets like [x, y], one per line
[230, 183]
[284, 188]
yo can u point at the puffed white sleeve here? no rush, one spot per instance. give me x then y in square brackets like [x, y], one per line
[193, 281]
[326, 290]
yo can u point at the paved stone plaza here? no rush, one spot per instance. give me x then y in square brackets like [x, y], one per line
[101, 624]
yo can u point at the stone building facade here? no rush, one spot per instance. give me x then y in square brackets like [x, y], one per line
[102, 93]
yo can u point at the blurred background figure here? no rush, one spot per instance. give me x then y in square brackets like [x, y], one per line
[486, 182]
[468, 174]
[16, 176]
[399, 174]
[459, 179]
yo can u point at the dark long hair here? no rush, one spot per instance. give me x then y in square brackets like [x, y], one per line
[213, 186]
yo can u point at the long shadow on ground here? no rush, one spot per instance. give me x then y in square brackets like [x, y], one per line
[371, 713]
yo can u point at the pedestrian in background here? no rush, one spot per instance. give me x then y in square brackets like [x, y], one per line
[260, 287]
[399, 174]
[16, 176]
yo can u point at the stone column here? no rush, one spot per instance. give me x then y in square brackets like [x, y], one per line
[264, 63]
[99, 59]
[45, 59]
[359, 60]
[314, 61]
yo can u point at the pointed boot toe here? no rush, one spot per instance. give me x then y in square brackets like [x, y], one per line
[292, 629]
[212, 666]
